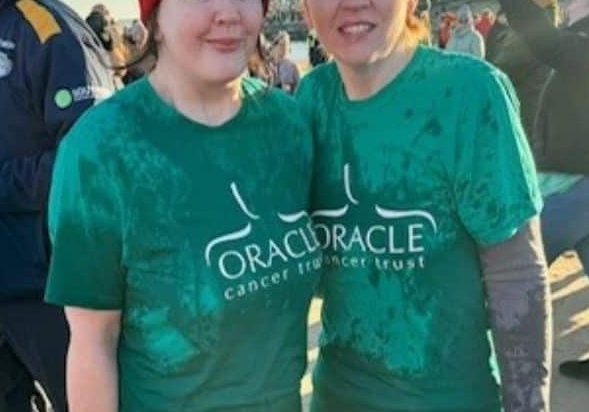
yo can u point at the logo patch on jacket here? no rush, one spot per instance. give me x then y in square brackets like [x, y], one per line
[5, 65]
[64, 98]
[7, 44]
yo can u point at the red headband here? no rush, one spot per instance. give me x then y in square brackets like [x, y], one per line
[148, 6]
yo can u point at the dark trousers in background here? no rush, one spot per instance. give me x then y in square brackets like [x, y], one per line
[33, 346]
[565, 223]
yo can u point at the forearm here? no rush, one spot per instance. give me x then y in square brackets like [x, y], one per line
[92, 378]
[92, 369]
[515, 277]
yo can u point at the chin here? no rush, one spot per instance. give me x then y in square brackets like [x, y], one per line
[223, 75]
[355, 59]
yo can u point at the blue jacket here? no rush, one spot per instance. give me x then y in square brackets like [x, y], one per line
[52, 68]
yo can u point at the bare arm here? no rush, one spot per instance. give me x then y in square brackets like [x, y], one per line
[520, 313]
[92, 375]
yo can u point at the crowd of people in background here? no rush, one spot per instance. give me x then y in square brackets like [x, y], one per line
[123, 44]
[459, 31]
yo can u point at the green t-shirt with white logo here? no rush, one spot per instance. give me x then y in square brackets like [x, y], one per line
[409, 183]
[201, 236]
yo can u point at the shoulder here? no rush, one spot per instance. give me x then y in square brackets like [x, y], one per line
[107, 123]
[39, 20]
[49, 21]
[325, 74]
[470, 74]
[319, 85]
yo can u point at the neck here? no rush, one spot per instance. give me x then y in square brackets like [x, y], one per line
[577, 10]
[364, 81]
[211, 104]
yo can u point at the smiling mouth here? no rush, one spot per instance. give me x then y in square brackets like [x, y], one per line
[356, 29]
[225, 45]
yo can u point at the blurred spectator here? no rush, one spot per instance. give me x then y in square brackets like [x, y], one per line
[447, 23]
[507, 50]
[52, 68]
[561, 131]
[465, 38]
[120, 54]
[317, 53]
[485, 22]
[102, 23]
[136, 37]
[423, 13]
[287, 72]
[260, 64]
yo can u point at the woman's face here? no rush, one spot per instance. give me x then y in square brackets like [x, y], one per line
[209, 40]
[359, 32]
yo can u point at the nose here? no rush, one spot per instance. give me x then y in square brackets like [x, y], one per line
[226, 12]
[355, 4]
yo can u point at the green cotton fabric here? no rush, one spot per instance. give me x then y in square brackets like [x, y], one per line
[555, 183]
[409, 184]
[201, 237]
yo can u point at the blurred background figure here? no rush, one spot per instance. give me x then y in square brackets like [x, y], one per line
[509, 52]
[317, 53]
[465, 38]
[102, 23]
[423, 11]
[485, 22]
[446, 25]
[260, 64]
[52, 69]
[140, 60]
[287, 72]
[560, 136]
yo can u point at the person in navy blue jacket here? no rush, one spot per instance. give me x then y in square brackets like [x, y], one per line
[52, 68]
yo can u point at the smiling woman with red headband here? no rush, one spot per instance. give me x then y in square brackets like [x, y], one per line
[182, 248]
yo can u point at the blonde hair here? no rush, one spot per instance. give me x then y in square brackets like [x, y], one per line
[417, 29]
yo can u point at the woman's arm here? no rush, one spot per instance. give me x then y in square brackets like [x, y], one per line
[92, 375]
[515, 277]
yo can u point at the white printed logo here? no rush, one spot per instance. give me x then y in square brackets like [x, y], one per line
[64, 98]
[5, 65]
[262, 261]
[396, 244]
[7, 44]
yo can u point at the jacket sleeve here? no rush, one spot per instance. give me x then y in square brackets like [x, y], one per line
[563, 50]
[518, 296]
[60, 88]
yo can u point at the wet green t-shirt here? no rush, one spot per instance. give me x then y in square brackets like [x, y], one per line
[409, 184]
[200, 236]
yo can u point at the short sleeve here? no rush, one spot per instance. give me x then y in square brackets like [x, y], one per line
[85, 227]
[494, 176]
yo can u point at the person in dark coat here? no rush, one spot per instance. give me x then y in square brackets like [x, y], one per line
[52, 68]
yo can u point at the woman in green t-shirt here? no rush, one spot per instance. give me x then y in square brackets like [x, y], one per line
[182, 247]
[425, 204]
